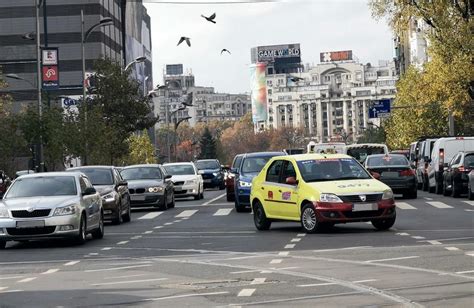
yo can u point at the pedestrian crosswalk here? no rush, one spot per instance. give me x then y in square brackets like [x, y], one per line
[405, 206]
[440, 205]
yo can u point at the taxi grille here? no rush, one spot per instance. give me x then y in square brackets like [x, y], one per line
[357, 199]
[35, 213]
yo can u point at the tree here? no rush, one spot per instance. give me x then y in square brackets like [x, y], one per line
[208, 145]
[372, 135]
[141, 150]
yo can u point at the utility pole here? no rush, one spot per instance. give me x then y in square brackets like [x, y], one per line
[450, 122]
[38, 67]
[84, 98]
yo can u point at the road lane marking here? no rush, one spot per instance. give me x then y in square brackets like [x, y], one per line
[258, 280]
[125, 282]
[116, 268]
[429, 199]
[176, 221]
[93, 254]
[106, 248]
[158, 227]
[295, 240]
[222, 212]
[418, 237]
[11, 291]
[469, 210]
[27, 279]
[301, 235]
[451, 248]
[3, 288]
[470, 253]
[246, 292]
[469, 202]
[440, 205]
[276, 261]
[148, 232]
[126, 276]
[11, 277]
[345, 248]
[283, 253]
[151, 215]
[405, 206]
[434, 242]
[71, 263]
[122, 243]
[366, 280]
[187, 213]
[465, 272]
[215, 199]
[391, 259]
[403, 234]
[50, 271]
[168, 224]
[185, 295]
[317, 284]
[289, 246]
[136, 237]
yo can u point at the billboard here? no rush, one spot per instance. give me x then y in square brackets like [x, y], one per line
[271, 53]
[334, 56]
[49, 68]
[258, 92]
[174, 69]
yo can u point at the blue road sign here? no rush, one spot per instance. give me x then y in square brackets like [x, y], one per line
[379, 109]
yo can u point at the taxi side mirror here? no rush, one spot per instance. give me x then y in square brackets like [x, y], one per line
[291, 180]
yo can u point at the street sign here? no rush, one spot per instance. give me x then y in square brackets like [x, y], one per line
[50, 77]
[379, 109]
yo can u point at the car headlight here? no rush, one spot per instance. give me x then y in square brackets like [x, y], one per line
[387, 194]
[109, 197]
[330, 198]
[3, 212]
[65, 210]
[155, 189]
[245, 184]
[191, 182]
[215, 173]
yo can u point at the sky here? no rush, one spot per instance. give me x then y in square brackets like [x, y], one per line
[318, 25]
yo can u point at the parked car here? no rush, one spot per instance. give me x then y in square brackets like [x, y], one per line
[51, 205]
[251, 165]
[112, 189]
[470, 185]
[456, 174]
[230, 178]
[443, 151]
[423, 159]
[360, 151]
[211, 172]
[149, 185]
[4, 182]
[395, 171]
[186, 179]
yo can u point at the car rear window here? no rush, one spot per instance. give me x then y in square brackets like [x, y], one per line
[361, 153]
[99, 176]
[207, 164]
[141, 173]
[388, 160]
[179, 169]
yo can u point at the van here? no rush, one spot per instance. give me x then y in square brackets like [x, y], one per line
[361, 150]
[328, 148]
[423, 159]
[443, 151]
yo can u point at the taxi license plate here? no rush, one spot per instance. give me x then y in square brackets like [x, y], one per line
[137, 198]
[30, 224]
[390, 174]
[359, 207]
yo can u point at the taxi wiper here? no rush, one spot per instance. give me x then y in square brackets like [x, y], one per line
[351, 178]
[320, 180]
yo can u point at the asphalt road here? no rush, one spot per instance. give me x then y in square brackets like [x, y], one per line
[204, 254]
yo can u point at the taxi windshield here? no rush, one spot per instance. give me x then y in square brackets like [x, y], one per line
[331, 169]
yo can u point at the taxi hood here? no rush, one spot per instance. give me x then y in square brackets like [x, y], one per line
[345, 187]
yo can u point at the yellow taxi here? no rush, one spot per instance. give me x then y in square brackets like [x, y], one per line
[320, 190]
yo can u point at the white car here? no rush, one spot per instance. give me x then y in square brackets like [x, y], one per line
[186, 179]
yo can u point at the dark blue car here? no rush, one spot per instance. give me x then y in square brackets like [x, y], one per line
[249, 168]
[211, 172]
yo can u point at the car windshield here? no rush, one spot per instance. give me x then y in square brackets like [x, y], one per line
[43, 186]
[207, 164]
[331, 169]
[98, 176]
[361, 153]
[387, 160]
[254, 164]
[180, 169]
[141, 173]
[469, 161]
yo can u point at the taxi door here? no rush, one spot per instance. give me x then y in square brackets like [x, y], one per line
[288, 194]
[270, 189]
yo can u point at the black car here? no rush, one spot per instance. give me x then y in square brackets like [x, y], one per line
[395, 171]
[149, 185]
[4, 182]
[456, 174]
[211, 172]
[113, 190]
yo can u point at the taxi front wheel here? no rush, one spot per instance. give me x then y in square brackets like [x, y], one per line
[309, 221]
[260, 219]
[384, 224]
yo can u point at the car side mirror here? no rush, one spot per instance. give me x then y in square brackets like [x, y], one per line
[413, 166]
[200, 172]
[122, 183]
[291, 180]
[234, 170]
[89, 191]
[445, 168]
[376, 175]
[168, 176]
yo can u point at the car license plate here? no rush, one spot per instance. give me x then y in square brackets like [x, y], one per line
[208, 181]
[137, 198]
[390, 174]
[30, 224]
[359, 207]
[178, 188]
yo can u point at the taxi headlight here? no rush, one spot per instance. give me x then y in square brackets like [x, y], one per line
[156, 189]
[330, 198]
[387, 194]
[3, 212]
[65, 210]
[245, 184]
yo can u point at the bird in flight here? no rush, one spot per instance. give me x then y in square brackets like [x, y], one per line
[295, 78]
[210, 18]
[182, 39]
[225, 50]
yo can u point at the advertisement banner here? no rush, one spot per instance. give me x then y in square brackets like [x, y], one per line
[258, 94]
[49, 68]
[334, 56]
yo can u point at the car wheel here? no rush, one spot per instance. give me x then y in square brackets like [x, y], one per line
[438, 188]
[198, 196]
[445, 189]
[201, 196]
[470, 193]
[230, 197]
[172, 204]
[222, 186]
[99, 232]
[384, 224]
[426, 184]
[454, 191]
[82, 235]
[3, 244]
[309, 220]
[419, 185]
[119, 219]
[128, 217]
[261, 221]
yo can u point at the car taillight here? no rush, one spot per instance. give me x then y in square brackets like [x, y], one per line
[441, 157]
[407, 172]
[462, 169]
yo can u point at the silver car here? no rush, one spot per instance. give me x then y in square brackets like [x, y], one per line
[48, 205]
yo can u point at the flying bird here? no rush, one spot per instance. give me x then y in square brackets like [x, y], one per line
[187, 39]
[225, 50]
[210, 18]
[295, 78]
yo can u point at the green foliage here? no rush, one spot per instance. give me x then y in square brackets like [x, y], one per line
[141, 150]
[372, 135]
[208, 145]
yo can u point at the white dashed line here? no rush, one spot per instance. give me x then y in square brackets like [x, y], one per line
[11, 291]
[71, 263]
[295, 240]
[470, 253]
[289, 246]
[27, 279]
[3, 288]
[283, 253]
[122, 243]
[106, 248]
[362, 281]
[440, 205]
[116, 268]
[168, 224]
[51, 271]
[187, 213]
[429, 199]
[258, 280]
[403, 234]
[434, 242]
[469, 202]
[150, 215]
[177, 221]
[392, 259]
[405, 206]
[451, 248]
[158, 227]
[465, 272]
[276, 261]
[184, 296]
[93, 254]
[11, 277]
[301, 235]
[469, 210]
[212, 200]
[246, 292]
[148, 232]
[418, 237]
[136, 237]
[317, 284]
[222, 212]
[127, 282]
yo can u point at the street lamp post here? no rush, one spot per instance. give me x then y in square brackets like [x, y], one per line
[137, 60]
